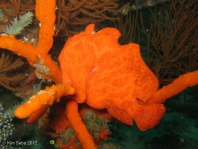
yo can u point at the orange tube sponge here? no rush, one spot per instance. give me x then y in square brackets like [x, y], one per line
[178, 85]
[43, 97]
[35, 57]
[45, 13]
[79, 127]
[36, 115]
[38, 56]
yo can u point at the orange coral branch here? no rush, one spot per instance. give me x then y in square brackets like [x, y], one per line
[178, 85]
[45, 13]
[33, 55]
[79, 127]
[43, 97]
[21, 48]
[38, 56]
[36, 115]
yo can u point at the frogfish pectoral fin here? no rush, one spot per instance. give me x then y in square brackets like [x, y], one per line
[147, 116]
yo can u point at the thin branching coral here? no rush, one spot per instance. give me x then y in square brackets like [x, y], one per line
[12, 8]
[138, 4]
[8, 78]
[129, 27]
[172, 39]
[74, 14]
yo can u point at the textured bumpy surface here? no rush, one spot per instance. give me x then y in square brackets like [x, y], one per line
[108, 75]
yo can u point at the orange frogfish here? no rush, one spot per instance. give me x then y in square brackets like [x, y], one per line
[107, 75]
